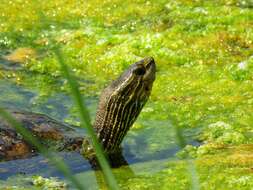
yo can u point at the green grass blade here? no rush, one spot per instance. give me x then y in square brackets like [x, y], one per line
[84, 114]
[191, 165]
[85, 122]
[51, 156]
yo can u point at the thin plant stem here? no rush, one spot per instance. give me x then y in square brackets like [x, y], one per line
[84, 114]
[190, 163]
[86, 122]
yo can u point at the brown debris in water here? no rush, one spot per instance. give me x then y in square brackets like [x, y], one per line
[21, 55]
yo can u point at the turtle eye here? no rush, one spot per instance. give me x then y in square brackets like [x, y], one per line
[140, 71]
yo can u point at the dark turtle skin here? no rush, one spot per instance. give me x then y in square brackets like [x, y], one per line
[119, 106]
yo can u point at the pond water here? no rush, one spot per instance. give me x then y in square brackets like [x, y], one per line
[203, 51]
[154, 141]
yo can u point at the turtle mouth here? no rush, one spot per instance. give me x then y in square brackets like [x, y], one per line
[150, 67]
[147, 61]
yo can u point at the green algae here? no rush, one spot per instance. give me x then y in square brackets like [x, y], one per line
[203, 51]
[33, 183]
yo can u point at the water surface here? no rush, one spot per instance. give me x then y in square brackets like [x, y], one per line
[154, 141]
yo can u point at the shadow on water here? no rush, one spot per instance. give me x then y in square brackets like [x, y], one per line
[38, 165]
[147, 144]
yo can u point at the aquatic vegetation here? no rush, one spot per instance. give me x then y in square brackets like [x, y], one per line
[33, 183]
[45, 183]
[203, 50]
[243, 70]
[21, 55]
[221, 132]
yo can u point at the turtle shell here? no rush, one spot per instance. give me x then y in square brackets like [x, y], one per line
[53, 134]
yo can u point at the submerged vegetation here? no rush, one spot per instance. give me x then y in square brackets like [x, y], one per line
[204, 54]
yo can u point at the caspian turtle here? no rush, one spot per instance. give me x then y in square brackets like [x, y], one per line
[119, 106]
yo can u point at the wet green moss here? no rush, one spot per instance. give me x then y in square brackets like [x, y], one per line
[33, 183]
[203, 51]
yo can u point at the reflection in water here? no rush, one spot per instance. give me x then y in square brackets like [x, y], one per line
[21, 98]
[38, 165]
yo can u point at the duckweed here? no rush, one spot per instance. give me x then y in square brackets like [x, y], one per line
[203, 51]
[50, 184]
[33, 183]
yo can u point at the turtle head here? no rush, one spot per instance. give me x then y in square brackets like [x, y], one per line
[121, 102]
[136, 82]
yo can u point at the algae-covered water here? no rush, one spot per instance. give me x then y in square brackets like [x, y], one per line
[204, 56]
[137, 147]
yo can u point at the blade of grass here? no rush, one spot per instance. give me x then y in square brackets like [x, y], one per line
[51, 156]
[191, 165]
[86, 122]
[84, 114]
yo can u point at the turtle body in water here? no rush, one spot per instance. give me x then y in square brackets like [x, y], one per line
[119, 106]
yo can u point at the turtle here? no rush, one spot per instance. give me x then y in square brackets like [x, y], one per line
[120, 103]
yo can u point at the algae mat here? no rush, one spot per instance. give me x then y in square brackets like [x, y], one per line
[203, 51]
